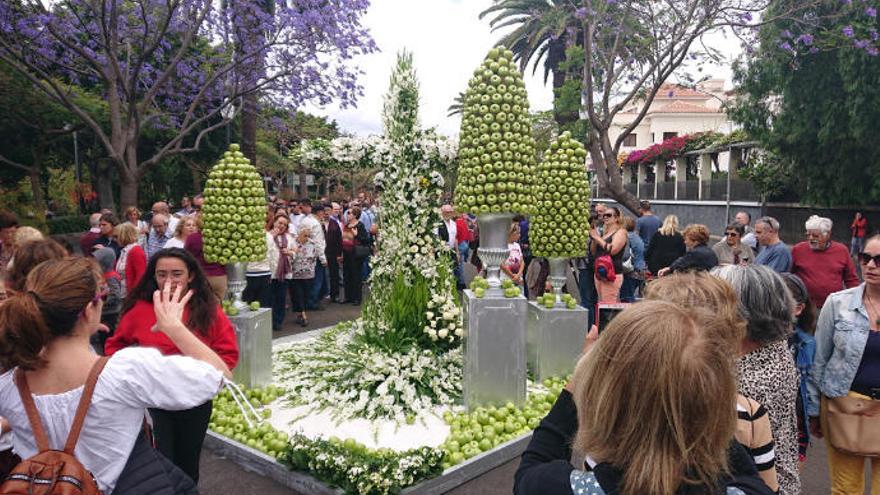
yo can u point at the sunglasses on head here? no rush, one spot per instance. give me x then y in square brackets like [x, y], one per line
[608, 215]
[866, 258]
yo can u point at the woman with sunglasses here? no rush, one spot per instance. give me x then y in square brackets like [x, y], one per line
[44, 337]
[731, 250]
[179, 433]
[846, 376]
[612, 243]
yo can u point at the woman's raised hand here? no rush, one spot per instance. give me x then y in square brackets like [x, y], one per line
[169, 306]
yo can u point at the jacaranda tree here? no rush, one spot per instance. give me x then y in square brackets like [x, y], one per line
[178, 64]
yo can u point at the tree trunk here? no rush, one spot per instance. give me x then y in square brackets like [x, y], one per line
[249, 112]
[610, 179]
[303, 187]
[37, 189]
[104, 181]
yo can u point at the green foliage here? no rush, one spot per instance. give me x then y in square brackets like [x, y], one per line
[771, 175]
[818, 112]
[359, 470]
[62, 190]
[404, 309]
[68, 224]
[567, 97]
[18, 198]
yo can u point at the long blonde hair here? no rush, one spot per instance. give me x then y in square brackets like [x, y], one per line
[656, 397]
[670, 225]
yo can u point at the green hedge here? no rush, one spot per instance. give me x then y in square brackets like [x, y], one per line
[68, 225]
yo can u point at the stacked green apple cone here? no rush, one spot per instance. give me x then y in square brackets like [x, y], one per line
[561, 224]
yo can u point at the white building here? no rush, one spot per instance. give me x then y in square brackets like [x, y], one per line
[675, 111]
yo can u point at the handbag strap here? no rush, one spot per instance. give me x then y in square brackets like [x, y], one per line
[82, 408]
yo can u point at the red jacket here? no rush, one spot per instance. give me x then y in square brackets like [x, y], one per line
[462, 233]
[135, 328]
[859, 226]
[823, 272]
[135, 267]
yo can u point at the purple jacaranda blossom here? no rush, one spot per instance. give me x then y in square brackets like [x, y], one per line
[786, 34]
[846, 2]
[805, 39]
[874, 35]
[872, 51]
[848, 31]
[860, 44]
[871, 12]
[745, 17]
[175, 65]
[814, 50]
[581, 13]
[785, 46]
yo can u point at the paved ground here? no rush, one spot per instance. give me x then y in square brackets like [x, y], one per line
[222, 477]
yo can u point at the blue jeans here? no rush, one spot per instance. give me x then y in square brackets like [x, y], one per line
[628, 289]
[365, 269]
[855, 246]
[279, 297]
[588, 294]
[319, 287]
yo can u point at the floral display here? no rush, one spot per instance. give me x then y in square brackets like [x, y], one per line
[561, 224]
[497, 151]
[234, 213]
[356, 469]
[372, 152]
[675, 147]
[338, 371]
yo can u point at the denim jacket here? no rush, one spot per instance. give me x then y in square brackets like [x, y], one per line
[803, 347]
[841, 335]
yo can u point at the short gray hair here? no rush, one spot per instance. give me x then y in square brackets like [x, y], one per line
[764, 300]
[822, 224]
[770, 222]
[95, 219]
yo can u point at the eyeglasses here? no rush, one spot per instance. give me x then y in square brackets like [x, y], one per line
[100, 296]
[732, 234]
[866, 258]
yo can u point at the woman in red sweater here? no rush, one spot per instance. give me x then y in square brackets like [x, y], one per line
[132, 261]
[179, 434]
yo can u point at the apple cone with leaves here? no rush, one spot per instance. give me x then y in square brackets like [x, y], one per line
[234, 213]
[496, 150]
[561, 224]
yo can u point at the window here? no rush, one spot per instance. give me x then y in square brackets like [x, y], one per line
[669, 135]
[630, 140]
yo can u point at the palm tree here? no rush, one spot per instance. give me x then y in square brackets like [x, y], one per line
[544, 29]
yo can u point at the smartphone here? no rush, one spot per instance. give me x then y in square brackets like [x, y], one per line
[607, 312]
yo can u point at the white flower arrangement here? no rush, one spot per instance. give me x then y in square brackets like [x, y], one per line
[338, 372]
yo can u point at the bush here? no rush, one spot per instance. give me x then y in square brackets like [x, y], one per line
[68, 224]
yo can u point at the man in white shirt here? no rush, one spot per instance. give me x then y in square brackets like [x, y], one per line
[161, 208]
[316, 236]
[744, 219]
[297, 215]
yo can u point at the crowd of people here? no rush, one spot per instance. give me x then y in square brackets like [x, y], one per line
[718, 380]
[738, 355]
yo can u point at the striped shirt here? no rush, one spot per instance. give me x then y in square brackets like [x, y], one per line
[753, 432]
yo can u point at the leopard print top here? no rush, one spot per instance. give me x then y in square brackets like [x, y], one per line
[769, 376]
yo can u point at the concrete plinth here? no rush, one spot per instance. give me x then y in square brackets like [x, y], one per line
[494, 350]
[254, 332]
[555, 339]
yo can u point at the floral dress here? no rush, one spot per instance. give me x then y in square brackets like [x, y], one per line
[304, 261]
[769, 376]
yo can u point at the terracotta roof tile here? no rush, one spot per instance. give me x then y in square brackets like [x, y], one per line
[675, 91]
[682, 107]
